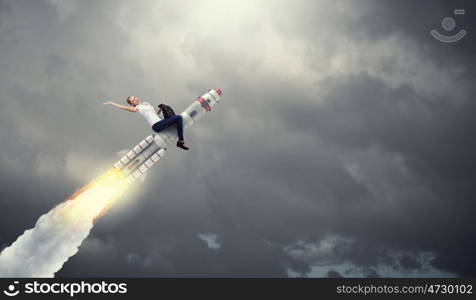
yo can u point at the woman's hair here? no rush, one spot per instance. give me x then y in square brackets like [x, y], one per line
[128, 100]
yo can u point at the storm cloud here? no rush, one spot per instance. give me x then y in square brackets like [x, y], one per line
[343, 147]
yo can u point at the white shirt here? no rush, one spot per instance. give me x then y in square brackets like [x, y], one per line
[148, 112]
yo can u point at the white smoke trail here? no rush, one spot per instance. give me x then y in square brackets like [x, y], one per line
[42, 250]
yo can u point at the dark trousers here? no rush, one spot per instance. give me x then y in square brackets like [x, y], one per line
[163, 124]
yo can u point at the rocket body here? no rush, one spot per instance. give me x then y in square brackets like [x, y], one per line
[136, 162]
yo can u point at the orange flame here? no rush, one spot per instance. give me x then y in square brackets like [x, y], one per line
[103, 191]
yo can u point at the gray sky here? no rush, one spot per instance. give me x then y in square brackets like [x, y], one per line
[344, 146]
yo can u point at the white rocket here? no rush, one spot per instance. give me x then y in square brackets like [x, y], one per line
[135, 163]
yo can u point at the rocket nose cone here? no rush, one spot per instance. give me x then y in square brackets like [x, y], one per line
[219, 91]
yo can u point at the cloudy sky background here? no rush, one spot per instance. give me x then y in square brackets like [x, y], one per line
[344, 146]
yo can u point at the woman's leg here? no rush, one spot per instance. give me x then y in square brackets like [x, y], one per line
[165, 123]
[179, 127]
[162, 124]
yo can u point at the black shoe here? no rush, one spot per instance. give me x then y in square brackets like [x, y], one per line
[181, 144]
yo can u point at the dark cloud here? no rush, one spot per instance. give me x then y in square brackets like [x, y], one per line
[371, 273]
[349, 122]
[408, 262]
[333, 274]
[432, 141]
[5, 9]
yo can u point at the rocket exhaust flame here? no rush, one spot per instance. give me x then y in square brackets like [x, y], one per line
[57, 235]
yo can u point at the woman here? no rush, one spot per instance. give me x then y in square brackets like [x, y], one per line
[152, 117]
